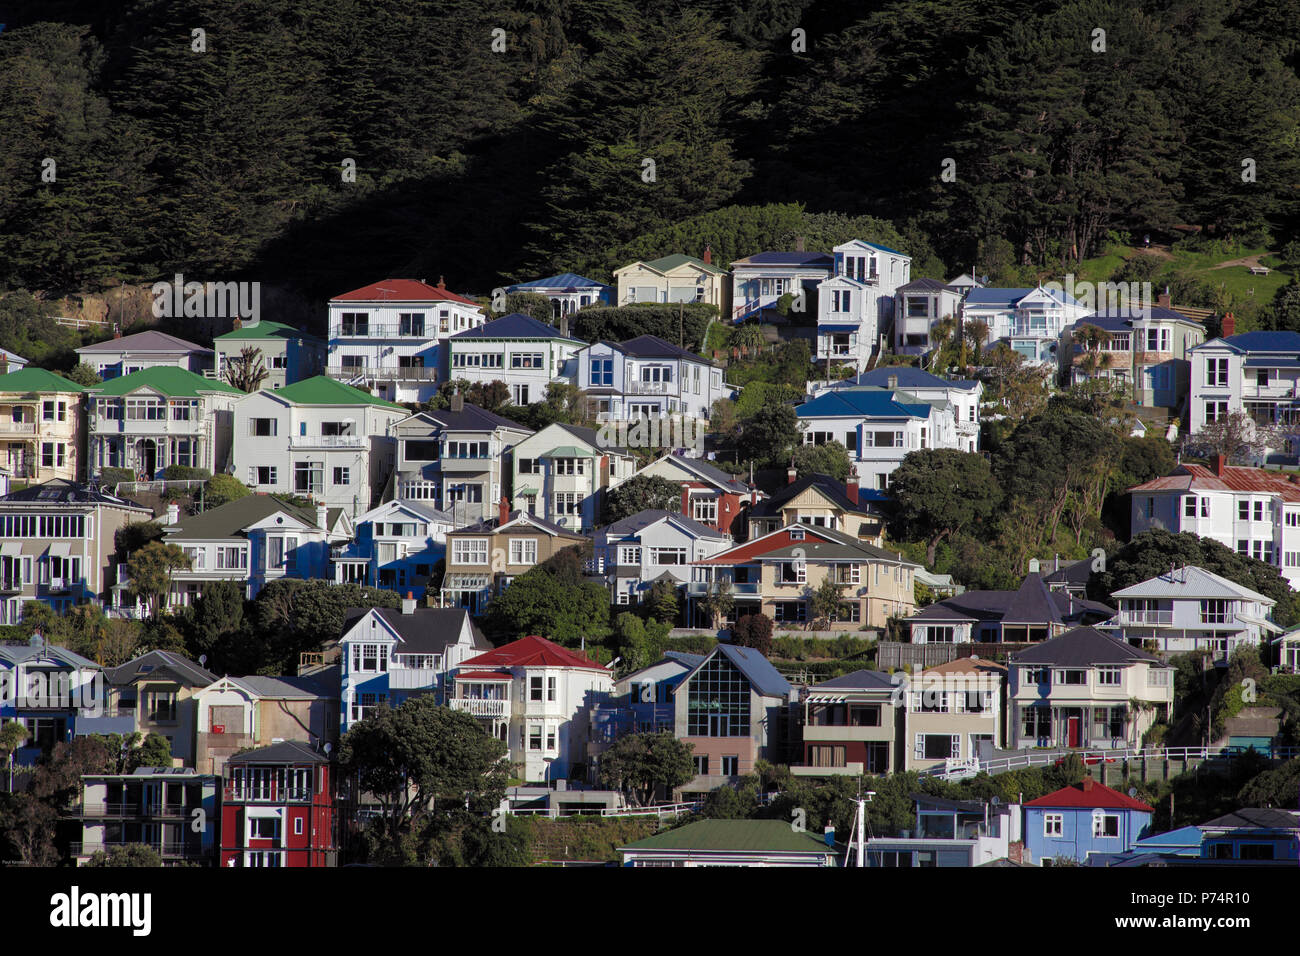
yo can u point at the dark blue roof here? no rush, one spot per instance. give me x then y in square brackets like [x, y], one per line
[818, 259]
[1265, 342]
[1008, 298]
[565, 280]
[861, 404]
[516, 325]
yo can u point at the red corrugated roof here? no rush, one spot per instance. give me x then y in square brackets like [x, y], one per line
[1089, 795]
[1234, 478]
[761, 546]
[532, 651]
[400, 290]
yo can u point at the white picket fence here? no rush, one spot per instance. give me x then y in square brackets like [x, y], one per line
[959, 769]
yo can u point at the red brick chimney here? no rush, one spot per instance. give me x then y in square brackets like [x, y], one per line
[851, 486]
[1088, 784]
[1162, 299]
[1229, 325]
[791, 475]
[1218, 463]
[708, 255]
[686, 500]
[504, 511]
[442, 283]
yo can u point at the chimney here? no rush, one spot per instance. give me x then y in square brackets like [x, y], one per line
[1218, 463]
[708, 255]
[408, 603]
[322, 517]
[442, 283]
[173, 513]
[1162, 299]
[457, 401]
[564, 325]
[753, 497]
[893, 382]
[1088, 784]
[851, 486]
[503, 513]
[686, 500]
[791, 475]
[1229, 325]
[798, 244]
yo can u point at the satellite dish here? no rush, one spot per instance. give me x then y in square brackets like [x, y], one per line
[1132, 791]
[327, 748]
[203, 660]
[995, 801]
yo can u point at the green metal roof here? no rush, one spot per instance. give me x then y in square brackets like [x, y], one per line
[171, 380]
[323, 390]
[758, 836]
[568, 451]
[265, 330]
[36, 380]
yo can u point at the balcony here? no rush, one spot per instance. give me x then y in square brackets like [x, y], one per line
[382, 373]
[169, 849]
[1279, 389]
[157, 811]
[638, 387]
[1151, 618]
[481, 707]
[743, 589]
[328, 441]
[413, 678]
[10, 428]
[387, 330]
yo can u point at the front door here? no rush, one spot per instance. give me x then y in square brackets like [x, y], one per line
[148, 457]
[1073, 731]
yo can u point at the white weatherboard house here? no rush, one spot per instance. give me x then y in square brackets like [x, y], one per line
[525, 354]
[878, 427]
[562, 472]
[917, 307]
[1028, 320]
[1253, 511]
[389, 655]
[652, 545]
[963, 396]
[397, 545]
[759, 281]
[1255, 372]
[391, 335]
[123, 355]
[855, 305]
[159, 416]
[647, 377]
[1191, 609]
[456, 459]
[318, 438]
[567, 292]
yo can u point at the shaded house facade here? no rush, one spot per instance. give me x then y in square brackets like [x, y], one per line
[1028, 614]
[155, 691]
[732, 709]
[562, 473]
[483, 558]
[758, 282]
[648, 378]
[642, 702]
[41, 425]
[236, 713]
[709, 495]
[396, 548]
[730, 843]
[952, 833]
[537, 697]
[456, 459]
[389, 655]
[1084, 819]
[952, 710]
[517, 349]
[56, 545]
[1254, 372]
[852, 725]
[1086, 689]
[127, 354]
[779, 573]
[824, 502]
[1148, 352]
[289, 355]
[159, 416]
[277, 809]
[1252, 835]
[963, 396]
[567, 292]
[154, 806]
[918, 305]
[52, 691]
[649, 546]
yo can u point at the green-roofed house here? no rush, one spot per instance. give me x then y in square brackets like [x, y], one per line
[287, 354]
[319, 439]
[40, 425]
[730, 843]
[675, 278]
[157, 417]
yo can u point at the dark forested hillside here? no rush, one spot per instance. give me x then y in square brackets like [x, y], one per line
[486, 166]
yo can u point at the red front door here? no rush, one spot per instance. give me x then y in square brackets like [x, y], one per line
[1072, 725]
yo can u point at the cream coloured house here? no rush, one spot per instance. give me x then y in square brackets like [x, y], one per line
[41, 418]
[675, 278]
[951, 710]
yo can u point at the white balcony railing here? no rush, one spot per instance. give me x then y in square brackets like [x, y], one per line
[17, 428]
[480, 707]
[328, 441]
[382, 373]
[638, 387]
[1157, 618]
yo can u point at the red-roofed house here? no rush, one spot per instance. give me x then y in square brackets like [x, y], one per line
[391, 336]
[1088, 817]
[536, 696]
[1253, 511]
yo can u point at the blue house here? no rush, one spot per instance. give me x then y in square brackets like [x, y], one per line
[1083, 819]
[51, 691]
[397, 545]
[1254, 834]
